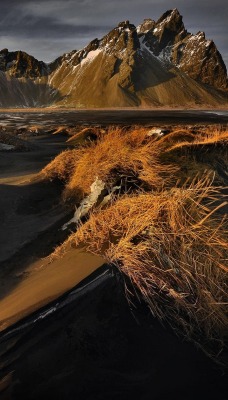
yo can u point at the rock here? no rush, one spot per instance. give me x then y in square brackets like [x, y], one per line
[19, 64]
[148, 24]
[200, 59]
[156, 132]
[193, 54]
[87, 203]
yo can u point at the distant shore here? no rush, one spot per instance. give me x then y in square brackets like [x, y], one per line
[60, 109]
[102, 117]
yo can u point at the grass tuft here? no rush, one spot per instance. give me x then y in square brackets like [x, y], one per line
[116, 156]
[173, 249]
[166, 229]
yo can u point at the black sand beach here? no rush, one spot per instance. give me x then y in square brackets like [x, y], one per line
[86, 341]
[92, 345]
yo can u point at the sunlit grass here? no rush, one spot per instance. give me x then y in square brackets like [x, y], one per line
[162, 229]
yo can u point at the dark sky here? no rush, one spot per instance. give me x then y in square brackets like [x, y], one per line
[49, 28]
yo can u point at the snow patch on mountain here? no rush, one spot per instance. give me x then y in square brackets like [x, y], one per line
[90, 56]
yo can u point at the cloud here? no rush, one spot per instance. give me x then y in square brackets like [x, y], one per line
[48, 28]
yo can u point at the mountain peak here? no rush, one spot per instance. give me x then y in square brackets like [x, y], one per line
[20, 64]
[171, 20]
[4, 51]
[147, 25]
[124, 36]
[126, 25]
[169, 15]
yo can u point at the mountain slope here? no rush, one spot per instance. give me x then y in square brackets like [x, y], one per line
[156, 64]
[193, 54]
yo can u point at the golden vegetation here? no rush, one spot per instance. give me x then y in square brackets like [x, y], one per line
[172, 248]
[166, 233]
[178, 139]
[62, 166]
[84, 135]
[195, 153]
[115, 155]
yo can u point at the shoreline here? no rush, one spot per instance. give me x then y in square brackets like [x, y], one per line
[103, 117]
[117, 109]
[164, 108]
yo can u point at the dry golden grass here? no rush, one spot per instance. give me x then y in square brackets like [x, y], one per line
[195, 153]
[119, 155]
[114, 156]
[165, 236]
[122, 153]
[178, 135]
[84, 135]
[62, 167]
[208, 138]
[212, 136]
[173, 249]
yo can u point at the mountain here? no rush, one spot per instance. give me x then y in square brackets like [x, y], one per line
[155, 64]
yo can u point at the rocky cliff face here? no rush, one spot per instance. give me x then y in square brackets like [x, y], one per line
[168, 30]
[192, 54]
[19, 64]
[200, 59]
[158, 63]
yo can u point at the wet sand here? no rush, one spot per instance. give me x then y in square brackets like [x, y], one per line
[113, 116]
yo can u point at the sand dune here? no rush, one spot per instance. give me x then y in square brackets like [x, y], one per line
[45, 281]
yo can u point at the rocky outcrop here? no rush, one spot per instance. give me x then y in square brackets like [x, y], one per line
[200, 59]
[19, 64]
[123, 43]
[193, 54]
[148, 24]
[168, 30]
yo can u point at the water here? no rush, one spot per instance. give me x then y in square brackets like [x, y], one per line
[21, 119]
